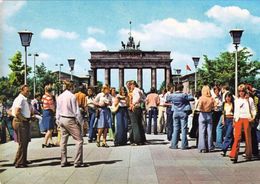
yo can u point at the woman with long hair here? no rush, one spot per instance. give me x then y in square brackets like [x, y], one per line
[48, 106]
[103, 100]
[121, 117]
[205, 106]
[244, 114]
[227, 120]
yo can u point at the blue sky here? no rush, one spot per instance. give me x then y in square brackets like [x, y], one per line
[65, 29]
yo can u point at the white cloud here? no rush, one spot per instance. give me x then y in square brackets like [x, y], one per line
[231, 48]
[232, 14]
[171, 28]
[8, 9]
[168, 32]
[12, 7]
[50, 33]
[94, 30]
[92, 44]
[8, 29]
[44, 56]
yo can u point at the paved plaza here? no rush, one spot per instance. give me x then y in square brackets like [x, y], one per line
[151, 164]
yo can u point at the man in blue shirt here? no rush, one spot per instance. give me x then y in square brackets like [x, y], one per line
[181, 108]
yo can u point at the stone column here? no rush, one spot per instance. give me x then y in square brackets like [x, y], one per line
[167, 76]
[153, 78]
[121, 77]
[107, 76]
[140, 77]
[93, 73]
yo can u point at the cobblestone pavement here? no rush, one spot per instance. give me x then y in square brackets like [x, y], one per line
[152, 163]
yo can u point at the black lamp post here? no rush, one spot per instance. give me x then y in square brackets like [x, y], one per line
[178, 71]
[196, 63]
[25, 37]
[34, 76]
[236, 35]
[71, 64]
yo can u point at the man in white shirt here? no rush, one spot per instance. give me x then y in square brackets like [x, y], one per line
[68, 117]
[22, 113]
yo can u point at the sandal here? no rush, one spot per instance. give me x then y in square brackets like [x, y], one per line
[98, 144]
[105, 145]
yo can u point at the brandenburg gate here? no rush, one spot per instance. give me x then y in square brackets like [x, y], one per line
[130, 57]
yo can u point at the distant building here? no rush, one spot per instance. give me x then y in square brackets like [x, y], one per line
[188, 82]
[85, 80]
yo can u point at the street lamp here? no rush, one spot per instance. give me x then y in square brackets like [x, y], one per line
[236, 35]
[71, 64]
[178, 71]
[60, 65]
[34, 77]
[25, 37]
[196, 63]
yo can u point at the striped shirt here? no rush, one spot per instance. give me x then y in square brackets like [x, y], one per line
[47, 102]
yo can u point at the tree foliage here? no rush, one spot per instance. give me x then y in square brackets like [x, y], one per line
[9, 86]
[45, 77]
[221, 70]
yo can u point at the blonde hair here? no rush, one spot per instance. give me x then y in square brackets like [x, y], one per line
[242, 87]
[205, 91]
[104, 87]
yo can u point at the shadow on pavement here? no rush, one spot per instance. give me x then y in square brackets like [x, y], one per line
[156, 141]
[2, 170]
[4, 161]
[103, 162]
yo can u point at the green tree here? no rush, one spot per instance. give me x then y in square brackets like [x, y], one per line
[162, 86]
[9, 86]
[16, 77]
[221, 70]
[45, 77]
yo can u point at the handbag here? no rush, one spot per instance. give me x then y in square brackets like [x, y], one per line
[251, 115]
[187, 108]
[115, 108]
[15, 123]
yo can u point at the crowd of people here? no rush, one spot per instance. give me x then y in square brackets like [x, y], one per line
[218, 118]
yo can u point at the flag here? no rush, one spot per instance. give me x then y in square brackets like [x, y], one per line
[188, 67]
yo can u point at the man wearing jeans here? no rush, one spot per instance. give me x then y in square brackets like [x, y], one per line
[180, 102]
[68, 117]
[152, 102]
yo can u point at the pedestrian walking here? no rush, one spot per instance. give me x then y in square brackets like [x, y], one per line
[244, 116]
[137, 133]
[180, 106]
[104, 118]
[37, 111]
[169, 113]
[205, 106]
[161, 122]
[48, 106]
[121, 127]
[91, 108]
[68, 117]
[227, 121]
[152, 103]
[22, 112]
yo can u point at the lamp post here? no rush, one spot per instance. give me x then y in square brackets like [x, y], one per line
[60, 65]
[71, 62]
[34, 76]
[236, 35]
[178, 71]
[25, 37]
[196, 63]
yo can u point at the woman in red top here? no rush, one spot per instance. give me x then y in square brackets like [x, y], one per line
[48, 115]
